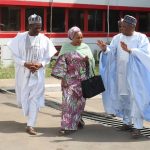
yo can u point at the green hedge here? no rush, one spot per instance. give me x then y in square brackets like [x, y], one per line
[9, 73]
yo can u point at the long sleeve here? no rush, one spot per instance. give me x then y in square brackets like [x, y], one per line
[139, 82]
[60, 68]
[143, 45]
[50, 50]
[113, 45]
[13, 45]
[142, 52]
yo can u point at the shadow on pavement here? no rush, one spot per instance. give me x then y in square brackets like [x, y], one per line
[91, 133]
[11, 105]
[11, 127]
[16, 106]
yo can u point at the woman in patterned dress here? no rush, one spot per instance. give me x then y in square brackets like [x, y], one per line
[71, 68]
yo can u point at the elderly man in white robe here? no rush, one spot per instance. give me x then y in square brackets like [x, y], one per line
[31, 52]
[125, 69]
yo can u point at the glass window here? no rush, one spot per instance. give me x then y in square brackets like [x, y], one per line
[76, 18]
[9, 19]
[58, 20]
[31, 11]
[114, 17]
[144, 22]
[95, 20]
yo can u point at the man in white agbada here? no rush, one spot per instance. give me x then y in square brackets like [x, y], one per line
[125, 69]
[31, 52]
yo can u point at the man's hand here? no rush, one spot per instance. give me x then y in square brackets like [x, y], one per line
[28, 65]
[125, 47]
[33, 67]
[102, 45]
[38, 65]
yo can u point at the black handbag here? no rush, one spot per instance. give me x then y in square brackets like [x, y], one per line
[92, 86]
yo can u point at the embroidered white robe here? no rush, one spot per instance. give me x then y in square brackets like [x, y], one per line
[28, 85]
[127, 75]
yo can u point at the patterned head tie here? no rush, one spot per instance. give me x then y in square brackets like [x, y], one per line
[33, 19]
[130, 20]
[72, 32]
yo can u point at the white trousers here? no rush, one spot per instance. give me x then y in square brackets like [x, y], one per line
[32, 115]
[131, 113]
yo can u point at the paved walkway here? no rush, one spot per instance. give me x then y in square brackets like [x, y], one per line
[93, 136]
[4, 83]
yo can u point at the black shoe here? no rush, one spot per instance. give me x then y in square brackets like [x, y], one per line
[63, 132]
[125, 127]
[81, 124]
[136, 133]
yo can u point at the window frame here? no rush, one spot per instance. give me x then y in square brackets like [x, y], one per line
[85, 21]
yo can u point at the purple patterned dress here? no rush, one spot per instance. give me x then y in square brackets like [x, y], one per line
[71, 68]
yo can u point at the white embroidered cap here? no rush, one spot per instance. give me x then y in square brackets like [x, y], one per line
[34, 19]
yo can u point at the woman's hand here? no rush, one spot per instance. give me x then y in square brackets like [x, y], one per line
[86, 58]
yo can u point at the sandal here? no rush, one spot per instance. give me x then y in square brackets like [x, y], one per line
[63, 132]
[81, 124]
[31, 130]
[136, 133]
[125, 127]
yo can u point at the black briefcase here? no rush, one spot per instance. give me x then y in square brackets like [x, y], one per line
[92, 86]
